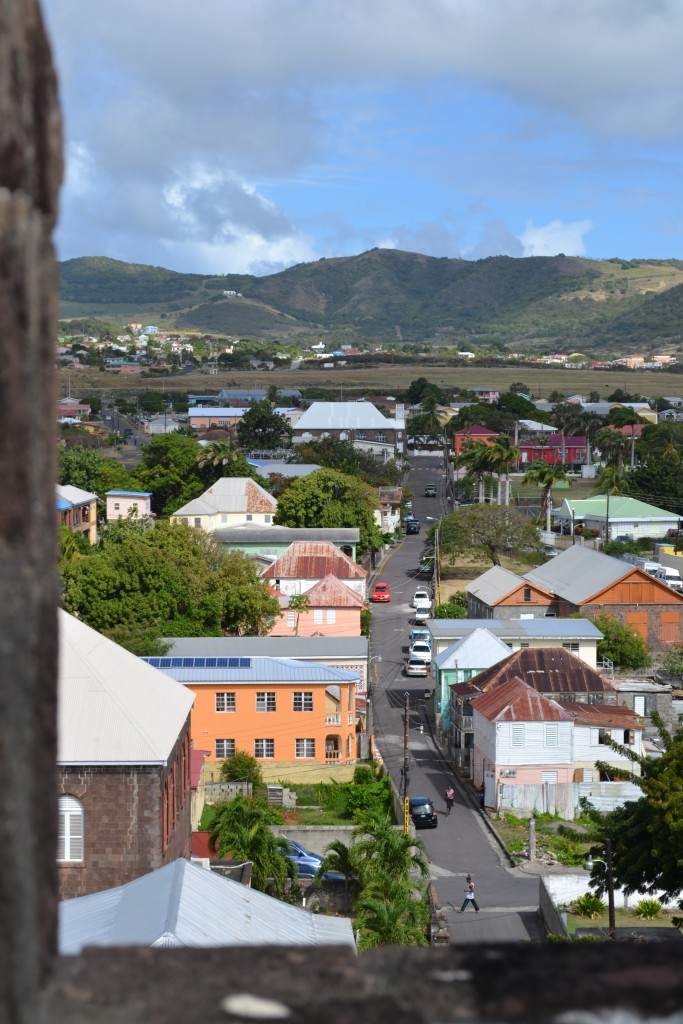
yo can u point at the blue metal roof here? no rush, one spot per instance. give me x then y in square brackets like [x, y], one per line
[249, 670]
[131, 494]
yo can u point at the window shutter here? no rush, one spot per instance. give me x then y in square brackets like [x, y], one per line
[61, 837]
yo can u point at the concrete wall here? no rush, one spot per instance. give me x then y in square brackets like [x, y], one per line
[551, 916]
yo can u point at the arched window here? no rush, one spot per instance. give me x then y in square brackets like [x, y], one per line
[70, 829]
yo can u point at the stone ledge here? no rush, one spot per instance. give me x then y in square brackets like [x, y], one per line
[495, 983]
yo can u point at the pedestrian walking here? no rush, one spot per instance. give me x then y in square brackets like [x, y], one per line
[469, 897]
[449, 797]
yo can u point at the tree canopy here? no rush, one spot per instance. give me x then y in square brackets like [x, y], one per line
[330, 499]
[623, 646]
[262, 427]
[84, 468]
[140, 585]
[333, 453]
[487, 531]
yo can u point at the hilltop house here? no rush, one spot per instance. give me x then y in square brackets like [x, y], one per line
[358, 422]
[128, 505]
[298, 719]
[123, 764]
[305, 564]
[581, 580]
[230, 501]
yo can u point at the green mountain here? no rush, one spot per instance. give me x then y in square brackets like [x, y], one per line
[387, 295]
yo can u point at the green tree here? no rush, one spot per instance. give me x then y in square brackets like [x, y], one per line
[242, 767]
[389, 914]
[612, 480]
[487, 531]
[623, 646]
[144, 584]
[216, 454]
[450, 610]
[546, 475]
[330, 499]
[84, 468]
[262, 427]
[503, 457]
[341, 858]
[383, 851]
[169, 469]
[478, 461]
[241, 831]
[299, 604]
[647, 834]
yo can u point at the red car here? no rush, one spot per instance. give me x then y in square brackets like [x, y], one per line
[381, 592]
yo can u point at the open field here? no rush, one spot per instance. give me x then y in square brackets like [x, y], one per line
[385, 379]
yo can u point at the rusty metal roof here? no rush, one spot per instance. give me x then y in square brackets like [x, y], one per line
[516, 701]
[330, 592]
[313, 560]
[547, 669]
[607, 715]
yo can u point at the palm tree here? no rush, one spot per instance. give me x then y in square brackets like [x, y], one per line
[476, 458]
[380, 849]
[430, 424]
[390, 915]
[300, 604]
[343, 859]
[589, 425]
[241, 828]
[216, 453]
[612, 480]
[612, 446]
[503, 456]
[546, 476]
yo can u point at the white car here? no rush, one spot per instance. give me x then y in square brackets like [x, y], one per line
[420, 596]
[416, 667]
[420, 649]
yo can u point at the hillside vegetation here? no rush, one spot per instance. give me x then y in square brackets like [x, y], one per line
[386, 295]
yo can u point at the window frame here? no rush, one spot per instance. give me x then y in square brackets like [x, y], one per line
[268, 749]
[225, 694]
[70, 810]
[268, 699]
[307, 747]
[305, 698]
[224, 756]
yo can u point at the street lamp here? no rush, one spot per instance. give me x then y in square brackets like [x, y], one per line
[609, 883]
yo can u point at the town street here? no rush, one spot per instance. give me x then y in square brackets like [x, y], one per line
[508, 898]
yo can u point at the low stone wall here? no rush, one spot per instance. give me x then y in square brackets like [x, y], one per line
[550, 915]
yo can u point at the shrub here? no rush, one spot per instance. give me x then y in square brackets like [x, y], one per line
[590, 906]
[648, 909]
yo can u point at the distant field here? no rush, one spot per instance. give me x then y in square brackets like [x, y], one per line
[386, 379]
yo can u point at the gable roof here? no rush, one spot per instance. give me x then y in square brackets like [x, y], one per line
[477, 649]
[112, 707]
[516, 701]
[313, 560]
[516, 629]
[613, 716]
[620, 507]
[193, 669]
[547, 669]
[345, 416]
[230, 494]
[494, 584]
[331, 592]
[302, 648]
[579, 572]
[182, 904]
[476, 430]
[73, 495]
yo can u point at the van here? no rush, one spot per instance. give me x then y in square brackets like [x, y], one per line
[671, 577]
[647, 566]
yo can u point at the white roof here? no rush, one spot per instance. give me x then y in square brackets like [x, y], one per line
[230, 494]
[74, 495]
[113, 708]
[479, 649]
[182, 904]
[346, 415]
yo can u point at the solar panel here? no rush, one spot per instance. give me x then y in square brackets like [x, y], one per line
[210, 662]
[221, 662]
[245, 662]
[199, 662]
[165, 662]
[153, 661]
[188, 662]
[176, 662]
[233, 662]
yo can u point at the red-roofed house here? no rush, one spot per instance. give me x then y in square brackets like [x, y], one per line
[530, 752]
[306, 563]
[334, 611]
[553, 449]
[470, 435]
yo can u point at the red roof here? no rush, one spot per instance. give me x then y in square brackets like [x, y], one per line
[332, 593]
[607, 715]
[314, 560]
[555, 441]
[516, 701]
[633, 429]
[476, 430]
[200, 845]
[547, 669]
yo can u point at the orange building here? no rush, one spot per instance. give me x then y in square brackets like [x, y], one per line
[298, 719]
[472, 435]
[334, 611]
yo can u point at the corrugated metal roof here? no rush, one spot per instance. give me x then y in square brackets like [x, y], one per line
[479, 649]
[289, 470]
[230, 494]
[515, 701]
[262, 670]
[548, 669]
[346, 416]
[301, 648]
[112, 707]
[619, 508]
[577, 573]
[494, 584]
[183, 905]
[606, 715]
[74, 495]
[249, 533]
[331, 592]
[313, 560]
[516, 629]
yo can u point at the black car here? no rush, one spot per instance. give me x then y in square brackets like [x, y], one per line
[412, 525]
[430, 491]
[422, 812]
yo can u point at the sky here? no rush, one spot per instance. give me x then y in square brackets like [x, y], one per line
[244, 136]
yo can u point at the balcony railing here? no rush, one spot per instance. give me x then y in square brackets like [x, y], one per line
[332, 755]
[333, 719]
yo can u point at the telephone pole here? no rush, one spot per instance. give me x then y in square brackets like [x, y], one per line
[405, 770]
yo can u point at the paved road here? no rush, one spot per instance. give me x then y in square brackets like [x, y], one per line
[508, 899]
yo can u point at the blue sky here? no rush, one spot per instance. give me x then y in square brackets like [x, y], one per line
[226, 136]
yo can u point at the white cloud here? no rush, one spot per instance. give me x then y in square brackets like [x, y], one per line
[555, 237]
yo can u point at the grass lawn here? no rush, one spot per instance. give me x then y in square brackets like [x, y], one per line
[623, 919]
[569, 850]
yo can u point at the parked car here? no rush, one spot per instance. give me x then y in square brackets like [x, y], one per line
[422, 812]
[425, 569]
[430, 491]
[416, 667]
[408, 505]
[421, 649]
[306, 861]
[412, 525]
[381, 592]
[549, 551]
[422, 613]
[420, 633]
[421, 594]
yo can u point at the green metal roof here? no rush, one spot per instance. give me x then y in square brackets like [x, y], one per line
[620, 507]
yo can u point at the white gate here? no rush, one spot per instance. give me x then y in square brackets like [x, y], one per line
[489, 788]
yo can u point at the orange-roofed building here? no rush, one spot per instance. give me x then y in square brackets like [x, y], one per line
[334, 611]
[306, 563]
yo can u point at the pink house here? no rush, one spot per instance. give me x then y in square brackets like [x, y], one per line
[334, 611]
[128, 505]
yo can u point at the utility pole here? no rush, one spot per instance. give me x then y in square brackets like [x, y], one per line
[405, 770]
[610, 890]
